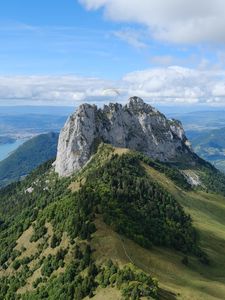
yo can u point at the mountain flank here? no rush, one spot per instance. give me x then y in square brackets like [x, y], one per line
[124, 223]
[27, 157]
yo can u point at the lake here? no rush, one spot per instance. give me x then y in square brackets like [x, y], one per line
[7, 149]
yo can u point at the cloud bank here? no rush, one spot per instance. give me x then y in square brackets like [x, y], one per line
[177, 21]
[169, 85]
[49, 90]
[178, 85]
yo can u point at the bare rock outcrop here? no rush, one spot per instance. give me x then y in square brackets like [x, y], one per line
[136, 126]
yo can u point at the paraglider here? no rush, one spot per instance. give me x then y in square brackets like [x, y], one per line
[111, 92]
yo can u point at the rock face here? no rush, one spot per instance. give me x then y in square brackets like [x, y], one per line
[136, 126]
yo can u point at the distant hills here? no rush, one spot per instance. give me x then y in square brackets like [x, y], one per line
[19, 123]
[28, 121]
[29, 124]
[36, 110]
[201, 120]
[210, 145]
[206, 131]
[6, 140]
[27, 157]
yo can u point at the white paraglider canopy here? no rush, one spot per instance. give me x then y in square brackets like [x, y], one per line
[111, 92]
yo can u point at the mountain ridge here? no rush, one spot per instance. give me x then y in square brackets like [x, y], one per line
[136, 126]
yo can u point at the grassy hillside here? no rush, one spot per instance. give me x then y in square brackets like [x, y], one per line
[27, 157]
[193, 281]
[125, 226]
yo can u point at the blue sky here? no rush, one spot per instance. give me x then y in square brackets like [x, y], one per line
[61, 37]
[133, 46]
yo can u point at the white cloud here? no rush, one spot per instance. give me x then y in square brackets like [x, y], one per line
[178, 21]
[177, 85]
[50, 90]
[168, 85]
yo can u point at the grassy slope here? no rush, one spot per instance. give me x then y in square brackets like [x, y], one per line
[107, 293]
[195, 281]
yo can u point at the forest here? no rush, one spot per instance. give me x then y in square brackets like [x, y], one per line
[128, 200]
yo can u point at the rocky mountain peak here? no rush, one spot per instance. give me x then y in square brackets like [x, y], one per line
[137, 126]
[136, 102]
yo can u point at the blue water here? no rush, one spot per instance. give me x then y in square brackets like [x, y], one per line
[7, 149]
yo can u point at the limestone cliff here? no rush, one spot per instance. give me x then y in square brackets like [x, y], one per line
[136, 125]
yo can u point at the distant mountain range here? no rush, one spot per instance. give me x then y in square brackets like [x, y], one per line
[210, 145]
[30, 124]
[206, 131]
[27, 157]
[201, 120]
[36, 110]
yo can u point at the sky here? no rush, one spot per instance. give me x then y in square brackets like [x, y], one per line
[55, 52]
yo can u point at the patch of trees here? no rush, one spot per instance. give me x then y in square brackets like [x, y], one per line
[74, 283]
[53, 262]
[19, 209]
[133, 283]
[139, 208]
[172, 172]
[131, 202]
[10, 284]
[213, 179]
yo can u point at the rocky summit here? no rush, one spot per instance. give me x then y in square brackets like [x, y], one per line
[137, 126]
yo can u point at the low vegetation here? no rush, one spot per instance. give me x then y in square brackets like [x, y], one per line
[116, 189]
